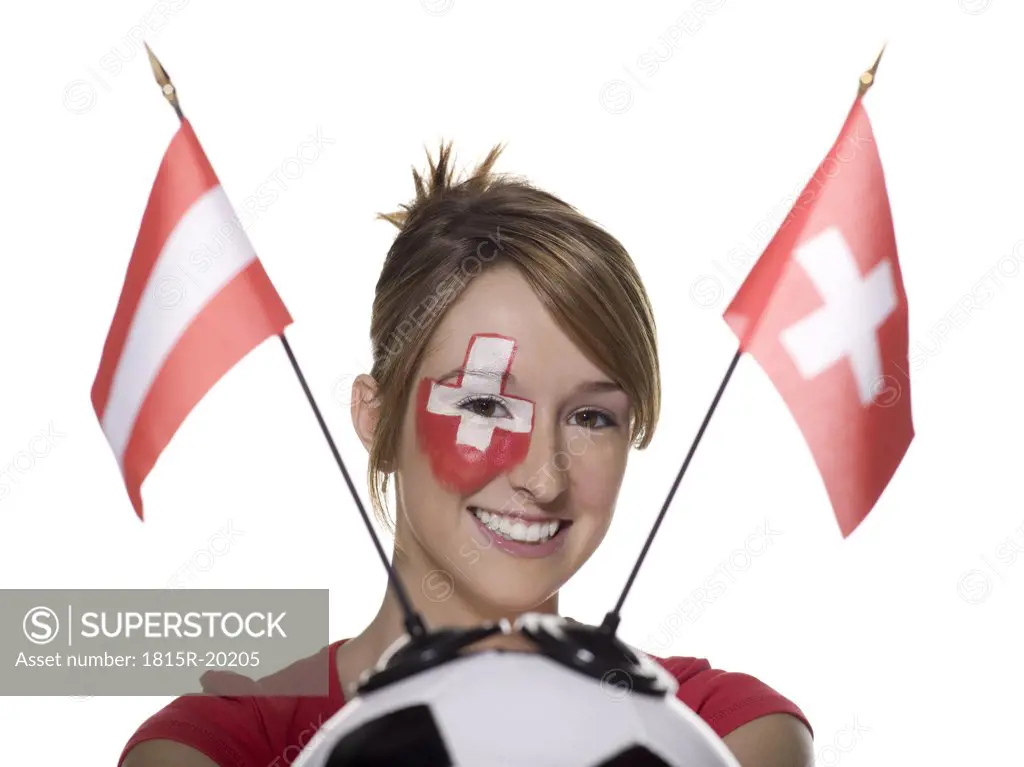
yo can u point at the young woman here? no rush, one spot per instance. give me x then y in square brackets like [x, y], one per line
[515, 365]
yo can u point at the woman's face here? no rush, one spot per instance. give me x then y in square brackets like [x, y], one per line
[512, 450]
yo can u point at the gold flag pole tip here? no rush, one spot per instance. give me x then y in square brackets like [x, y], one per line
[868, 78]
[163, 80]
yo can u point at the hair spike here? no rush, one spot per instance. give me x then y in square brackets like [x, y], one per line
[440, 179]
[417, 180]
[397, 218]
[481, 175]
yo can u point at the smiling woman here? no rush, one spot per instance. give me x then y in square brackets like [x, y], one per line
[515, 366]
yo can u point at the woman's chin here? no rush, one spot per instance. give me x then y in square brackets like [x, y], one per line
[492, 575]
[498, 588]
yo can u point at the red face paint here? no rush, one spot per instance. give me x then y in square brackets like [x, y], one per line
[467, 450]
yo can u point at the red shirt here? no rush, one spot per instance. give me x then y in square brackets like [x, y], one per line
[260, 731]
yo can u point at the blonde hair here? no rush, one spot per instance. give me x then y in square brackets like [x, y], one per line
[454, 230]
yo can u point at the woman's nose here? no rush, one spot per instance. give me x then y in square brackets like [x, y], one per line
[543, 475]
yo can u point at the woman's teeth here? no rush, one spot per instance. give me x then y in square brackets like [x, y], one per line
[517, 530]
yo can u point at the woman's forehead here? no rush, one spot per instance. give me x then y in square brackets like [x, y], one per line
[501, 304]
[485, 353]
[501, 293]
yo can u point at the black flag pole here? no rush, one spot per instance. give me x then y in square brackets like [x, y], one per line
[414, 624]
[611, 620]
[610, 624]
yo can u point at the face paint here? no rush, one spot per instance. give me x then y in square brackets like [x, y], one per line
[468, 450]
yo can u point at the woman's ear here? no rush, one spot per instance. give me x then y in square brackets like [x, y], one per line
[365, 408]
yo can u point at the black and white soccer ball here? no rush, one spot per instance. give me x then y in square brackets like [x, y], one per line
[584, 699]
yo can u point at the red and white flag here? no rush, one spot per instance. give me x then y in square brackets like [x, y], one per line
[195, 301]
[824, 313]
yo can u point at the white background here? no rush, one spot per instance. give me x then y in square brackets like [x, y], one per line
[902, 633]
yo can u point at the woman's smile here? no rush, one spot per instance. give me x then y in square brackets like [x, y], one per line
[520, 535]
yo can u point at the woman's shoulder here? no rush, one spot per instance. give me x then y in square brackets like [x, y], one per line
[725, 699]
[238, 721]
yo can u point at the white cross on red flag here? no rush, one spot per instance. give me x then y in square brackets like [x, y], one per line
[195, 301]
[824, 313]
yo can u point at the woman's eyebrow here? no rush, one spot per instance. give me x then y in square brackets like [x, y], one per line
[496, 375]
[596, 387]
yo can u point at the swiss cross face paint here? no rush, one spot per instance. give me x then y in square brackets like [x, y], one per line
[468, 450]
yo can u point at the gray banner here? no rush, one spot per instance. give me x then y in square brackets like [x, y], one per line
[164, 642]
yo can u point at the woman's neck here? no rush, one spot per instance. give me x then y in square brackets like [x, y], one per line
[433, 594]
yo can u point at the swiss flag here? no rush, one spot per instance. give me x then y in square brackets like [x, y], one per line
[195, 301]
[466, 450]
[824, 313]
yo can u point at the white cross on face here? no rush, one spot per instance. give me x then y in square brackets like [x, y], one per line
[488, 361]
[847, 325]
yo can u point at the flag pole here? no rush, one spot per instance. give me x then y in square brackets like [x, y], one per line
[611, 620]
[414, 624]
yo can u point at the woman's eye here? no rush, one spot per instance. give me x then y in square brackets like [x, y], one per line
[486, 408]
[592, 419]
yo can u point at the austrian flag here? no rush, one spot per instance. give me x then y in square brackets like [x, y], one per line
[824, 313]
[195, 301]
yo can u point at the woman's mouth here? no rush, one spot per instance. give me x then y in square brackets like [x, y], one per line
[521, 536]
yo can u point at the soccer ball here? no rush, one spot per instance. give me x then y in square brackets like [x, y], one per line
[564, 706]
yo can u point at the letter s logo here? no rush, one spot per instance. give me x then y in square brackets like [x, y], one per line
[40, 625]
